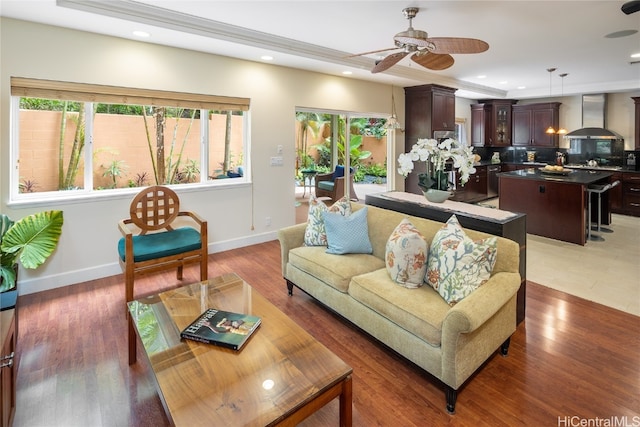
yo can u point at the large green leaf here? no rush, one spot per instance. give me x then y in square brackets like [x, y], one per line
[5, 224]
[34, 238]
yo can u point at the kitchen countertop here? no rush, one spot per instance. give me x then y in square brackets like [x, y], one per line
[623, 169]
[582, 177]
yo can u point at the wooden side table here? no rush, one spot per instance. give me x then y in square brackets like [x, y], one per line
[8, 333]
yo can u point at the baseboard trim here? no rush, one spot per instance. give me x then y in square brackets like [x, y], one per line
[70, 278]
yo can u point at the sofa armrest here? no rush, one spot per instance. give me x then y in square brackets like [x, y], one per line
[290, 238]
[473, 311]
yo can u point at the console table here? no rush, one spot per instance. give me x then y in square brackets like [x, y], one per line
[8, 333]
[493, 221]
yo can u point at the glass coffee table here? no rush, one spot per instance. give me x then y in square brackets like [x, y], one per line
[280, 377]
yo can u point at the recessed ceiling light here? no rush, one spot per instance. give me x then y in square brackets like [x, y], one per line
[347, 73]
[522, 87]
[139, 33]
[482, 77]
[504, 82]
[636, 55]
[266, 58]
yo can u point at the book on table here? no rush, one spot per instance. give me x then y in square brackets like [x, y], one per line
[223, 328]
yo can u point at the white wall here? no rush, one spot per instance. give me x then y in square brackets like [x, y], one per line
[236, 216]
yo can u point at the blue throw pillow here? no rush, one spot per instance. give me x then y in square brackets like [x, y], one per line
[347, 234]
[339, 172]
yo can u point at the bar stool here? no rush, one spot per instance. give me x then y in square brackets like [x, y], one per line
[598, 227]
[597, 189]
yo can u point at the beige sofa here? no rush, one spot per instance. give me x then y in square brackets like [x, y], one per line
[450, 343]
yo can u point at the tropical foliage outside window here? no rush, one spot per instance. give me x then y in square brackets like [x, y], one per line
[317, 145]
[66, 145]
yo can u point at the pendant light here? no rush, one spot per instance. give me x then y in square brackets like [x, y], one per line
[550, 129]
[562, 130]
[392, 122]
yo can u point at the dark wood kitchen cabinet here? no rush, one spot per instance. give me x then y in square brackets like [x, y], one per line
[428, 108]
[615, 194]
[475, 190]
[491, 123]
[7, 367]
[444, 109]
[529, 124]
[631, 193]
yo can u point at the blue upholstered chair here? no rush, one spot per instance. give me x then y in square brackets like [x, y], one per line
[332, 184]
[150, 243]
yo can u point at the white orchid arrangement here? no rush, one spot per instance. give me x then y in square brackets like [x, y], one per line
[435, 155]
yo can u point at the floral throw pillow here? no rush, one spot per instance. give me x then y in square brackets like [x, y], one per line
[457, 265]
[315, 234]
[406, 255]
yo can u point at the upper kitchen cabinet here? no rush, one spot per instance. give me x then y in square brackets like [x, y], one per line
[428, 108]
[529, 124]
[491, 123]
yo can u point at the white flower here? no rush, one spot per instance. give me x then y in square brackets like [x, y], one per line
[405, 164]
[438, 154]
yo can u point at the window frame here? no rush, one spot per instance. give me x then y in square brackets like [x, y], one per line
[96, 94]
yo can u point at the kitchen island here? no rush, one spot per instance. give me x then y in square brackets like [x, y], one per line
[555, 203]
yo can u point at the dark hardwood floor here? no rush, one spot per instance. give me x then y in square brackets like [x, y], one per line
[570, 358]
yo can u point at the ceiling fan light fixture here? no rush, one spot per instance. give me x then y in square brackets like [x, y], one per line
[419, 44]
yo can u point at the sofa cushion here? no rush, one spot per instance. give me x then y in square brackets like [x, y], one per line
[419, 311]
[315, 234]
[457, 265]
[326, 185]
[334, 270]
[347, 234]
[406, 255]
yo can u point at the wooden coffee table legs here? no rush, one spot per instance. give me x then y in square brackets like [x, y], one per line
[131, 339]
[346, 415]
[342, 390]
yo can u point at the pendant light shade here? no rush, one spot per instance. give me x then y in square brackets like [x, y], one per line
[562, 131]
[392, 122]
[550, 130]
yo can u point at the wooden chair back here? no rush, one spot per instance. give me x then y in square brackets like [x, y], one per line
[154, 208]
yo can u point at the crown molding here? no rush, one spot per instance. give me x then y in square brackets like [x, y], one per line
[159, 17]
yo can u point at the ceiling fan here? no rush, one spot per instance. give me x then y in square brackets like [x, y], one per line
[630, 7]
[433, 53]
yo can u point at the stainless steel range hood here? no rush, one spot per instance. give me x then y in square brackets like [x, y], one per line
[594, 124]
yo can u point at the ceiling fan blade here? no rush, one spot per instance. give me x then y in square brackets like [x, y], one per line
[372, 51]
[388, 62]
[457, 45]
[433, 61]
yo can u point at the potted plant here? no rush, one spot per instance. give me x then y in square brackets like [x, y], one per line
[435, 183]
[28, 241]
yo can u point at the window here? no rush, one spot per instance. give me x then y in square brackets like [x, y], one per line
[75, 139]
